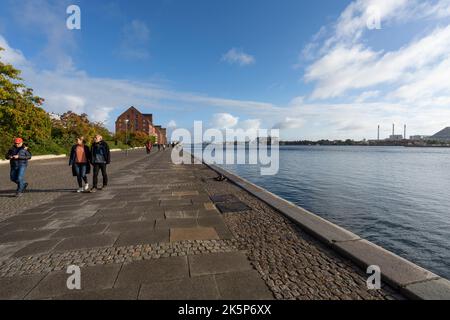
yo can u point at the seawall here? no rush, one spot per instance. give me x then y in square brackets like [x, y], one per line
[411, 280]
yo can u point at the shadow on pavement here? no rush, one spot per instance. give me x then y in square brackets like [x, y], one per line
[11, 193]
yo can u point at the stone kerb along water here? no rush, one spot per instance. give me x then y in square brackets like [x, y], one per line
[229, 146]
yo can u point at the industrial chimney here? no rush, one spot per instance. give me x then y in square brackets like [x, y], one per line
[404, 133]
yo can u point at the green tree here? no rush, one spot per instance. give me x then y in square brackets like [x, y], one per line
[135, 139]
[20, 111]
[70, 125]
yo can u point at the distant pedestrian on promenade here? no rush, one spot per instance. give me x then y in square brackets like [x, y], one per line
[159, 147]
[80, 160]
[19, 156]
[164, 147]
[149, 146]
[101, 157]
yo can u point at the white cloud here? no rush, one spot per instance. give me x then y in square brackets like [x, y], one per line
[244, 129]
[237, 56]
[48, 19]
[367, 95]
[10, 55]
[353, 21]
[427, 84]
[347, 63]
[135, 38]
[224, 121]
[172, 124]
[344, 69]
[250, 124]
[290, 123]
[72, 103]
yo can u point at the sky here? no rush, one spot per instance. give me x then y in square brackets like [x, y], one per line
[313, 69]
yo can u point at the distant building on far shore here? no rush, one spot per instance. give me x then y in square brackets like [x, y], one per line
[396, 137]
[418, 138]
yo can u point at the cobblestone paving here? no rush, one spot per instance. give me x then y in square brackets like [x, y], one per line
[82, 258]
[154, 233]
[294, 265]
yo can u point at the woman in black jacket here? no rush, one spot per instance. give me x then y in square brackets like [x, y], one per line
[80, 159]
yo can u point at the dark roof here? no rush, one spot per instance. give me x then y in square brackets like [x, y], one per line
[132, 107]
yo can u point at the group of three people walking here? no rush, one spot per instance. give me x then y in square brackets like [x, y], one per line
[81, 158]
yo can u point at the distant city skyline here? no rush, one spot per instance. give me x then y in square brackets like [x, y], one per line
[315, 70]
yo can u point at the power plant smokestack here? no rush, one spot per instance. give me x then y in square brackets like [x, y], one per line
[404, 133]
[393, 129]
[378, 136]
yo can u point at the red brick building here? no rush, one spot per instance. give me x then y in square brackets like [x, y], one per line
[164, 135]
[134, 120]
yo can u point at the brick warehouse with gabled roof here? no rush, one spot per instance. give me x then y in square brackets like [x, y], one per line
[138, 121]
[161, 135]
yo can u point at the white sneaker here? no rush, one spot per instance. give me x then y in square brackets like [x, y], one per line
[86, 187]
[80, 190]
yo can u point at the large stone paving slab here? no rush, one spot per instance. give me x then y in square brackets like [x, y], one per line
[199, 233]
[76, 231]
[246, 285]
[25, 225]
[92, 278]
[17, 236]
[14, 288]
[29, 217]
[175, 223]
[196, 288]
[83, 242]
[151, 271]
[216, 263]
[142, 236]
[128, 293]
[130, 226]
[37, 247]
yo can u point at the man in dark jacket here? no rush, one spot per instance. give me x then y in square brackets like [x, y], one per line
[101, 157]
[19, 156]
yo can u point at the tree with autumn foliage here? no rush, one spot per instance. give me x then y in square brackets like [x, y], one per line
[135, 139]
[21, 114]
[70, 125]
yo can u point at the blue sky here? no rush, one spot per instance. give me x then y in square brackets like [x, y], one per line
[314, 69]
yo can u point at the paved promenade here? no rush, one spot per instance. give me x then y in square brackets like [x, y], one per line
[160, 231]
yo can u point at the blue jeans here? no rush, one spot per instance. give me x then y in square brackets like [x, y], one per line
[80, 169]
[18, 177]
